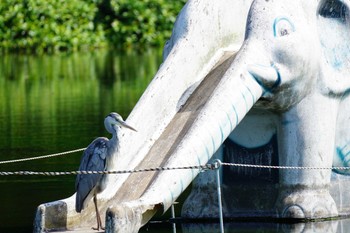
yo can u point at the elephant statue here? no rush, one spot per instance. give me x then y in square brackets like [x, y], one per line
[298, 51]
[257, 81]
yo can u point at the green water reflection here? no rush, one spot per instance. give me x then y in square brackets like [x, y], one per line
[54, 103]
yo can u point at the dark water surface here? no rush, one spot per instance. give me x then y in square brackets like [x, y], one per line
[56, 103]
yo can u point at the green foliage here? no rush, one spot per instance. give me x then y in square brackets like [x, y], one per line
[143, 22]
[48, 24]
[51, 25]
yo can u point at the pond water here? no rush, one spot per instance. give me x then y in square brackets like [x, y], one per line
[56, 103]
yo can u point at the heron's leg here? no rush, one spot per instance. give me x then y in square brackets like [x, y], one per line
[98, 216]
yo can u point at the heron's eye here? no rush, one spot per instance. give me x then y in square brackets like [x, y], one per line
[282, 27]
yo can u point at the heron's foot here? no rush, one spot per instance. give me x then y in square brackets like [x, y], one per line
[98, 228]
[306, 204]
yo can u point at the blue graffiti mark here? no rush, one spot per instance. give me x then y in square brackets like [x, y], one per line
[236, 114]
[192, 174]
[182, 186]
[259, 82]
[171, 195]
[245, 101]
[278, 81]
[279, 19]
[344, 157]
[221, 134]
[229, 120]
[199, 157]
[274, 86]
[213, 142]
[347, 155]
[342, 148]
[336, 56]
[198, 160]
[206, 149]
[164, 199]
[251, 93]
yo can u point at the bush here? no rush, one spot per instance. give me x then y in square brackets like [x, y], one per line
[48, 25]
[52, 25]
[143, 22]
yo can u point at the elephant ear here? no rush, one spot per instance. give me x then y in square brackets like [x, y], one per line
[334, 33]
[342, 141]
[333, 23]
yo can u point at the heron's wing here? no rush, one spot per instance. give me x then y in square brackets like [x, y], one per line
[94, 159]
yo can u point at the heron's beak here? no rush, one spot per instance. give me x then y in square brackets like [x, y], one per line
[123, 124]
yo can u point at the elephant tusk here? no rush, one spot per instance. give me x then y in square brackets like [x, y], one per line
[267, 76]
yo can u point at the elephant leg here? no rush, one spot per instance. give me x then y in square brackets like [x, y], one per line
[306, 139]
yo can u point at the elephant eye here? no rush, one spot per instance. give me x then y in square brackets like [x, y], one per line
[282, 27]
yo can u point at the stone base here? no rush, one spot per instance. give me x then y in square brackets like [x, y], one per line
[249, 200]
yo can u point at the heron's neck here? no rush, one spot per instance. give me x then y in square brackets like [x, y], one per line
[113, 142]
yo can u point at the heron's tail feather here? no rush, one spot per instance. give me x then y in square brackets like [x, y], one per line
[78, 203]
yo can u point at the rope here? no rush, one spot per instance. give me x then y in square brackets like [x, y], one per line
[26, 173]
[41, 157]
[284, 167]
[216, 165]
[206, 167]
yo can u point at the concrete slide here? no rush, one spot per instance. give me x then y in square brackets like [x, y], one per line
[194, 102]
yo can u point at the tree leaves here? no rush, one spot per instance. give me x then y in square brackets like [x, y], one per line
[55, 25]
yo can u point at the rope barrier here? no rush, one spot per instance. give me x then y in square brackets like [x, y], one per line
[283, 167]
[206, 167]
[26, 173]
[216, 165]
[41, 157]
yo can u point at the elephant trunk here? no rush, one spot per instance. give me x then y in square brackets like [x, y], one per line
[194, 134]
[212, 112]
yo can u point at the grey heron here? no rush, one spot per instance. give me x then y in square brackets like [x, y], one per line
[97, 157]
